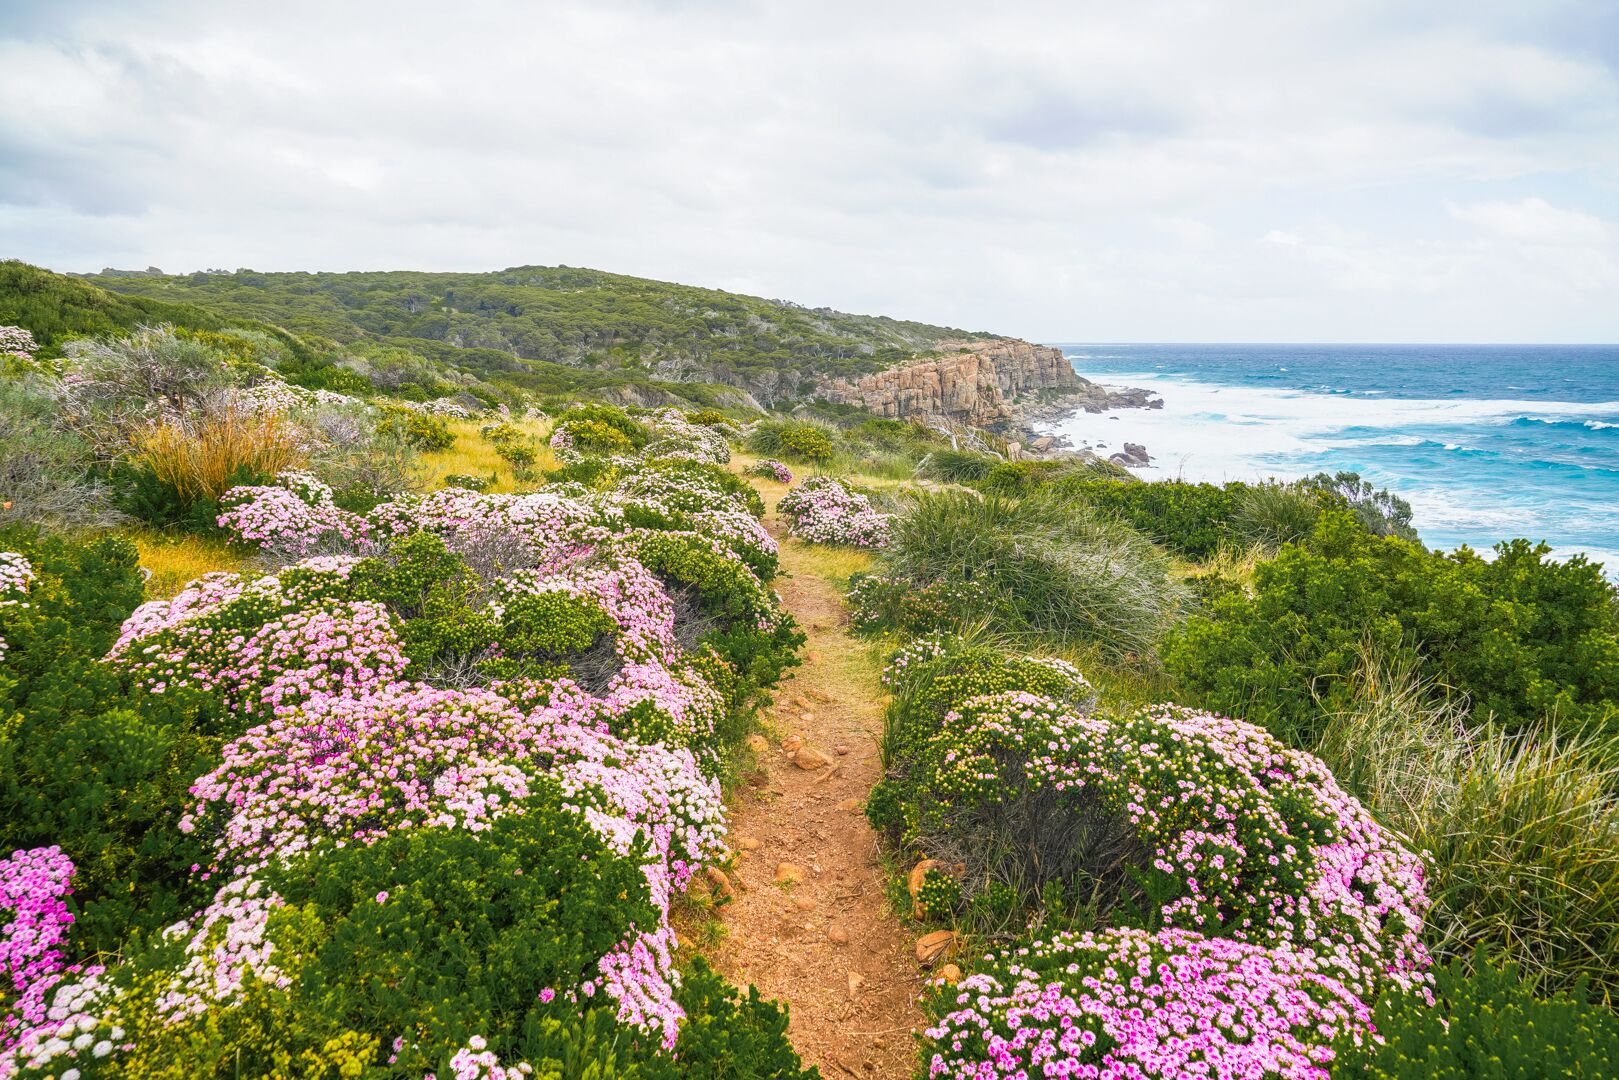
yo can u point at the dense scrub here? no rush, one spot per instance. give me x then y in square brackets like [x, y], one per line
[1425, 769]
[1525, 638]
[418, 801]
[557, 314]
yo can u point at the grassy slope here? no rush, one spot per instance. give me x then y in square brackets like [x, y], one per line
[561, 315]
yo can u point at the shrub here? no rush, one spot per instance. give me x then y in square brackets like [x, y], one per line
[825, 510]
[44, 471]
[471, 483]
[84, 764]
[1381, 512]
[1524, 637]
[791, 439]
[1485, 1023]
[422, 430]
[597, 430]
[1127, 1003]
[114, 385]
[1189, 519]
[707, 477]
[1037, 566]
[766, 469]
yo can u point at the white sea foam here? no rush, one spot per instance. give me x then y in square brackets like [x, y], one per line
[1212, 432]
[1192, 436]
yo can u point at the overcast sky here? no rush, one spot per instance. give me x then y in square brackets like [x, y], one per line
[1075, 171]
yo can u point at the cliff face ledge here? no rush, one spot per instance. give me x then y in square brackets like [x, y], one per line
[979, 383]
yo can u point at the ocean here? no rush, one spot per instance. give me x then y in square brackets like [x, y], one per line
[1487, 442]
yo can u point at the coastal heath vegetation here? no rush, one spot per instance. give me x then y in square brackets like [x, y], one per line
[408, 630]
[241, 815]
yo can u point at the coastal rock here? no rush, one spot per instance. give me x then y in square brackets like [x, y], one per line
[978, 383]
[1133, 456]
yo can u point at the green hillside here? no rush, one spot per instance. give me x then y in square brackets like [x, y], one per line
[56, 307]
[507, 320]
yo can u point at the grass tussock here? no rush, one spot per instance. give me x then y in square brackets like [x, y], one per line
[1039, 567]
[203, 456]
[1521, 831]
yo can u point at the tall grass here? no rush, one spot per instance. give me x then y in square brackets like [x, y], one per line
[1521, 832]
[202, 456]
[1272, 514]
[1041, 566]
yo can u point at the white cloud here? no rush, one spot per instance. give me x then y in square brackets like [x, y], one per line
[1535, 221]
[1057, 170]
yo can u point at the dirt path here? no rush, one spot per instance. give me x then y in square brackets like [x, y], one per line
[827, 944]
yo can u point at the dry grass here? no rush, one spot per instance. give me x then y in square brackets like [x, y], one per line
[175, 559]
[201, 458]
[473, 455]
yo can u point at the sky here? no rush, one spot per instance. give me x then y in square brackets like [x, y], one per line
[1309, 170]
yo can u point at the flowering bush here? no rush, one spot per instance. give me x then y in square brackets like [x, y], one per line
[825, 510]
[17, 343]
[1126, 1003]
[290, 519]
[33, 891]
[1258, 909]
[768, 469]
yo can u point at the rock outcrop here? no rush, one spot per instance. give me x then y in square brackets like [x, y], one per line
[978, 383]
[996, 384]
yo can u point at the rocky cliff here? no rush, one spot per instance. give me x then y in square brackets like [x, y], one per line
[984, 383]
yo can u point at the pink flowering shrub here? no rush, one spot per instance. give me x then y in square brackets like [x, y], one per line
[17, 343]
[768, 469]
[1258, 909]
[263, 647]
[1126, 1004]
[290, 519]
[33, 910]
[506, 707]
[825, 510]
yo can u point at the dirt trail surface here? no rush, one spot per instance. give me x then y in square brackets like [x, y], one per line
[827, 943]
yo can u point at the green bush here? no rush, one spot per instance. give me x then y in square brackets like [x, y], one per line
[472, 928]
[1381, 511]
[1486, 1023]
[1040, 566]
[595, 437]
[590, 424]
[424, 431]
[85, 762]
[1193, 520]
[791, 439]
[138, 490]
[1523, 636]
[592, 472]
[806, 443]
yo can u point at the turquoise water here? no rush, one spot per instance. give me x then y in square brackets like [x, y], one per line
[1487, 442]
